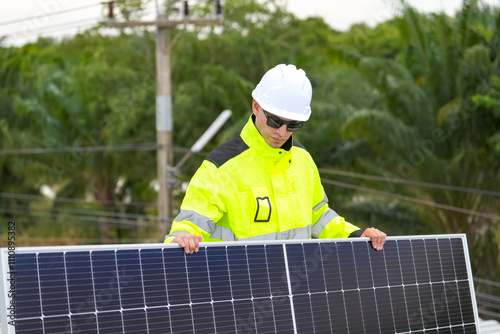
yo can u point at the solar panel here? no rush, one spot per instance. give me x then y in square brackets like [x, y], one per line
[418, 284]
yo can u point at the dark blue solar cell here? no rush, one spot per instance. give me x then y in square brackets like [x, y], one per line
[283, 315]
[84, 324]
[181, 319]
[392, 262]
[264, 315]
[400, 309]
[363, 266]
[470, 329]
[466, 302]
[457, 247]
[203, 317]
[414, 309]
[407, 262]
[135, 321]
[277, 270]
[369, 309]
[385, 310]
[238, 272]
[353, 310]
[176, 274]
[427, 303]
[378, 267]
[259, 276]
[27, 289]
[199, 286]
[130, 279]
[458, 330]
[57, 325]
[434, 260]
[448, 266]
[303, 313]
[420, 259]
[454, 307]
[53, 283]
[331, 267]
[153, 275]
[314, 268]
[321, 313]
[105, 280]
[158, 320]
[440, 304]
[80, 287]
[29, 326]
[297, 268]
[219, 274]
[347, 265]
[110, 322]
[245, 316]
[224, 317]
[337, 312]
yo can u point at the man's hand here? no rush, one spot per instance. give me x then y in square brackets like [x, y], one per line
[378, 237]
[190, 242]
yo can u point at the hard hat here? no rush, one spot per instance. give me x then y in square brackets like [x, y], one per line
[285, 91]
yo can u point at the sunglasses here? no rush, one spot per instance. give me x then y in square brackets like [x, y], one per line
[276, 123]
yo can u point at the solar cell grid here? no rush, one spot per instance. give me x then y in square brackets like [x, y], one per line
[415, 285]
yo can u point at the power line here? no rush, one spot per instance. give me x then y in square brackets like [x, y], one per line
[83, 212]
[413, 200]
[409, 182]
[38, 214]
[49, 15]
[71, 200]
[43, 30]
[68, 149]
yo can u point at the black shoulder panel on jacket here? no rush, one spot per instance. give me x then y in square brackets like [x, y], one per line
[227, 151]
[296, 143]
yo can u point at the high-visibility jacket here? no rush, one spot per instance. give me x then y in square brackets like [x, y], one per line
[247, 190]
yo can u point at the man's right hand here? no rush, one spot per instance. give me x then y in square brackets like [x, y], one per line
[190, 242]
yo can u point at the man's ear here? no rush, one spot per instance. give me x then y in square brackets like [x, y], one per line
[255, 107]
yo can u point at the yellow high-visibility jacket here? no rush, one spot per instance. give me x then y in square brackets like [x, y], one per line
[247, 190]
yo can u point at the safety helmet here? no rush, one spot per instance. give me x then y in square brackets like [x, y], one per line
[285, 91]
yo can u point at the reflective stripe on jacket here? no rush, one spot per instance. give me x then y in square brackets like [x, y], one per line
[247, 190]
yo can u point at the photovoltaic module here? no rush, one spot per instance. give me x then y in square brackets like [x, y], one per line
[417, 284]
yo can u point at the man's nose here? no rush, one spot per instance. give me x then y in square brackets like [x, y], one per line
[282, 131]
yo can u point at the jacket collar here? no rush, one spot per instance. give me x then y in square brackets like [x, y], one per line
[252, 137]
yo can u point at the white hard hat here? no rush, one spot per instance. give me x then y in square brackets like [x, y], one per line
[285, 91]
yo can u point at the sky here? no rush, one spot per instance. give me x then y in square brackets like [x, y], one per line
[25, 20]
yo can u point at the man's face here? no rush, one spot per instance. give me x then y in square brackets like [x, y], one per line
[273, 137]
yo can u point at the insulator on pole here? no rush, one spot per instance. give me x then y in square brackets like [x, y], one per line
[111, 14]
[186, 10]
[218, 9]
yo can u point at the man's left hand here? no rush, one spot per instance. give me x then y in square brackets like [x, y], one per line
[378, 237]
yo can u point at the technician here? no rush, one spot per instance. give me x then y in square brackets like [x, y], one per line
[263, 184]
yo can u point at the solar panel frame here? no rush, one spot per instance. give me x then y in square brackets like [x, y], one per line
[60, 319]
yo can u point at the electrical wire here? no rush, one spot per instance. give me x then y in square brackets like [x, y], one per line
[38, 214]
[84, 212]
[68, 149]
[71, 200]
[49, 15]
[43, 30]
[125, 147]
[412, 199]
[83, 241]
[409, 182]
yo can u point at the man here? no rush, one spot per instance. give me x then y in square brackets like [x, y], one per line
[263, 185]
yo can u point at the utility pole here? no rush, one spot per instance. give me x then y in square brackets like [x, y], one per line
[164, 119]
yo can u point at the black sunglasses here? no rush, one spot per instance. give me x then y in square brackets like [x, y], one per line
[276, 123]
